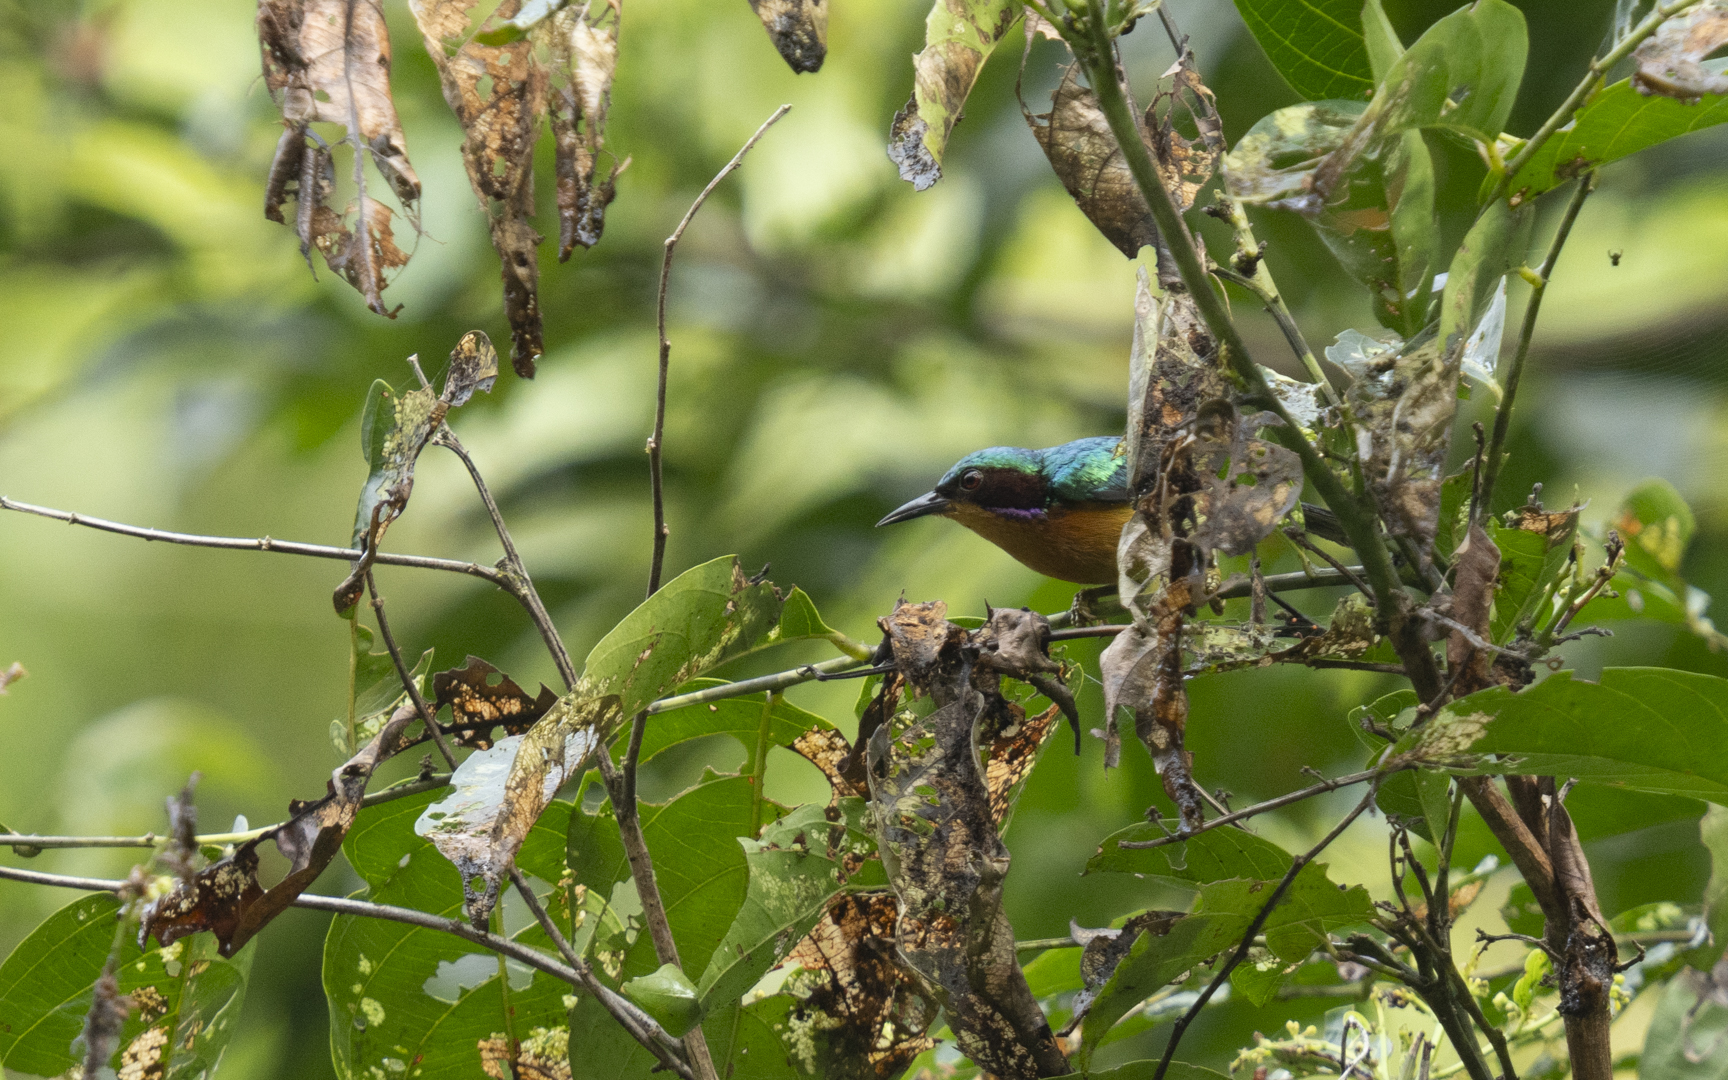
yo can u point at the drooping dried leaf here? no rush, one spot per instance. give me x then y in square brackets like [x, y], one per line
[860, 1014]
[1668, 63]
[479, 703]
[959, 36]
[1248, 485]
[1105, 950]
[798, 29]
[1404, 427]
[499, 95]
[1012, 755]
[584, 40]
[701, 618]
[328, 61]
[936, 829]
[829, 751]
[473, 367]
[225, 897]
[1142, 673]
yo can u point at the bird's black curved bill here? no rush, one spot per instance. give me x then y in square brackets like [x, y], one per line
[931, 503]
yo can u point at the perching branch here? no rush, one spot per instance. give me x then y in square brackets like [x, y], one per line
[1366, 776]
[1515, 372]
[1254, 928]
[262, 543]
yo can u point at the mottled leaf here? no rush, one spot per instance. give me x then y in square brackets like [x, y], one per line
[798, 29]
[1316, 45]
[959, 36]
[499, 95]
[1668, 63]
[394, 428]
[479, 703]
[399, 993]
[1166, 950]
[703, 617]
[473, 367]
[328, 61]
[584, 40]
[1616, 122]
[185, 999]
[1535, 547]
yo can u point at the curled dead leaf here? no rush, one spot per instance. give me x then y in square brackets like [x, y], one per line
[328, 61]
[479, 703]
[584, 48]
[798, 29]
[1669, 62]
[959, 36]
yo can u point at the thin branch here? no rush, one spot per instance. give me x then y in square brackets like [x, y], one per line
[654, 441]
[1515, 372]
[1254, 928]
[521, 585]
[261, 543]
[1299, 537]
[1261, 808]
[780, 680]
[1267, 293]
[641, 1027]
[1598, 69]
[427, 715]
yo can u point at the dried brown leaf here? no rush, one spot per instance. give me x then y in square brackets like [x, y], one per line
[1475, 568]
[860, 1015]
[798, 29]
[473, 368]
[1668, 63]
[328, 61]
[1404, 427]
[829, 751]
[479, 703]
[226, 899]
[584, 40]
[1105, 949]
[499, 95]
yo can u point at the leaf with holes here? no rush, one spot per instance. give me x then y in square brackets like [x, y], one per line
[959, 36]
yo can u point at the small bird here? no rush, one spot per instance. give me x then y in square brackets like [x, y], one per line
[1059, 511]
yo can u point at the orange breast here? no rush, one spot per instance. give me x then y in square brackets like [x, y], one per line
[1077, 545]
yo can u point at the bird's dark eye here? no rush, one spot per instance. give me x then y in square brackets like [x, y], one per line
[971, 479]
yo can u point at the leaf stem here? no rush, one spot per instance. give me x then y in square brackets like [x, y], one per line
[1515, 372]
[759, 762]
[409, 683]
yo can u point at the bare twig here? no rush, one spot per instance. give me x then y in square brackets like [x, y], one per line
[1367, 775]
[521, 585]
[1299, 537]
[1515, 371]
[1254, 928]
[427, 716]
[261, 543]
[654, 441]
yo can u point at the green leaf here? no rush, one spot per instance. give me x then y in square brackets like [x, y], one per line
[1311, 908]
[185, 992]
[1380, 225]
[1260, 975]
[800, 621]
[740, 717]
[1381, 41]
[1214, 855]
[1616, 122]
[1054, 971]
[1713, 833]
[1649, 729]
[1315, 44]
[1688, 1035]
[1461, 75]
[376, 691]
[668, 995]
[959, 36]
[1657, 527]
[1533, 554]
[1154, 961]
[793, 872]
[1493, 247]
[401, 994]
[705, 616]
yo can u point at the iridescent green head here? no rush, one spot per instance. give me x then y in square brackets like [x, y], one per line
[1014, 482]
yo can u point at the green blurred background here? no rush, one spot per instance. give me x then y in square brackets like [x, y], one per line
[837, 342]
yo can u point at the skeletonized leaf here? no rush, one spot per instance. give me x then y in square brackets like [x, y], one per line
[1248, 484]
[328, 61]
[226, 898]
[584, 43]
[1668, 63]
[499, 95]
[701, 618]
[473, 367]
[959, 36]
[478, 704]
[798, 29]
